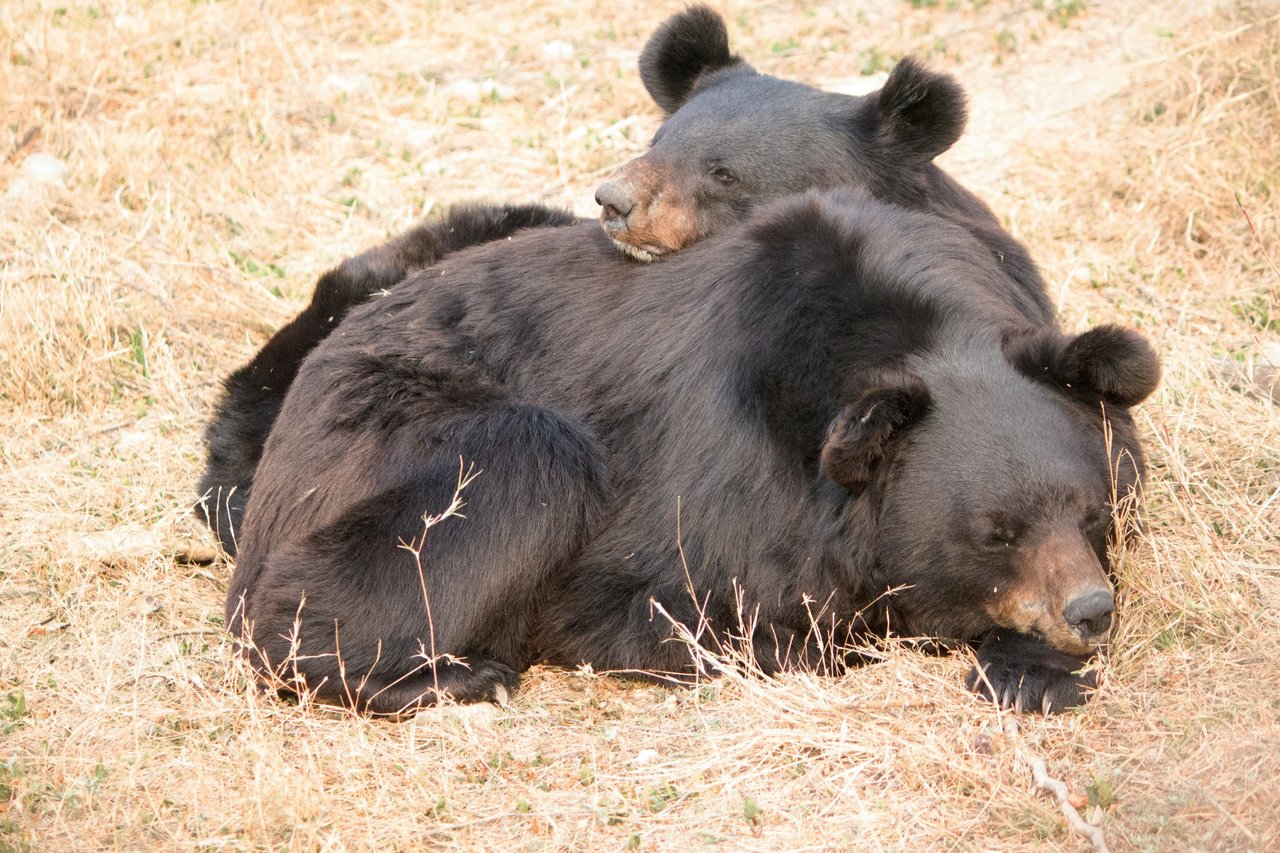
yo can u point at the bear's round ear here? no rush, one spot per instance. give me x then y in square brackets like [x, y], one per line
[860, 434]
[682, 49]
[1108, 362]
[919, 113]
[1114, 362]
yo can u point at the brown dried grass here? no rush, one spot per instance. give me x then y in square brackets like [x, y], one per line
[221, 155]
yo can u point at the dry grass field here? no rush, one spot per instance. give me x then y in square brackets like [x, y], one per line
[176, 174]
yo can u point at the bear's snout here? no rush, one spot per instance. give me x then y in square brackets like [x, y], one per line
[1061, 594]
[647, 211]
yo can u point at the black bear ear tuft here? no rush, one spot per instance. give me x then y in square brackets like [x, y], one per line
[1114, 362]
[681, 50]
[860, 434]
[920, 113]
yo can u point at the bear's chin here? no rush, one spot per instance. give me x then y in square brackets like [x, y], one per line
[645, 254]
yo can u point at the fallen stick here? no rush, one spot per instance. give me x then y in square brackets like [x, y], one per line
[1045, 782]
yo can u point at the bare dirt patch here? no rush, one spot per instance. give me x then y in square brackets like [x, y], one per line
[174, 177]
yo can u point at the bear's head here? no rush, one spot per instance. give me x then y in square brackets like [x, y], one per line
[992, 477]
[734, 138]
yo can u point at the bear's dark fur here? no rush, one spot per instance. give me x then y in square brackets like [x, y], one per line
[839, 417]
[772, 137]
[252, 395]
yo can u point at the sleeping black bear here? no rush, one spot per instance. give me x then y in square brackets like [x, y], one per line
[839, 410]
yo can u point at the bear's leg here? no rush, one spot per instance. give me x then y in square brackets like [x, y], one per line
[627, 624]
[1024, 673]
[252, 394]
[378, 611]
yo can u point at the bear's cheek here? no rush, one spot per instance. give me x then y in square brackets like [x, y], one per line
[941, 586]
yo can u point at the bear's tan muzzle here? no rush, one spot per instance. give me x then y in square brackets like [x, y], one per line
[1062, 594]
[645, 212]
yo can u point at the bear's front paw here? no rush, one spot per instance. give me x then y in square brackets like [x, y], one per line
[1023, 673]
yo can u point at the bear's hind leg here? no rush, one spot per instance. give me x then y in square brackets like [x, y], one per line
[374, 608]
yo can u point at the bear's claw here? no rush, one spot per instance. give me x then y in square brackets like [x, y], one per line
[1025, 674]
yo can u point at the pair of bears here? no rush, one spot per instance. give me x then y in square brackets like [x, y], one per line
[849, 411]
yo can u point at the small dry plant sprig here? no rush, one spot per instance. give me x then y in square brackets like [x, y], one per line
[285, 678]
[466, 475]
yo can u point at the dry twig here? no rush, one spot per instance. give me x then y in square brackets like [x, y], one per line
[1059, 789]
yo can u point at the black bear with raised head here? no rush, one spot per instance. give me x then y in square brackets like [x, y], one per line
[734, 138]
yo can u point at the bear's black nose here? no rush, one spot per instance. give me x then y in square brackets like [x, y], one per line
[615, 200]
[1090, 614]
